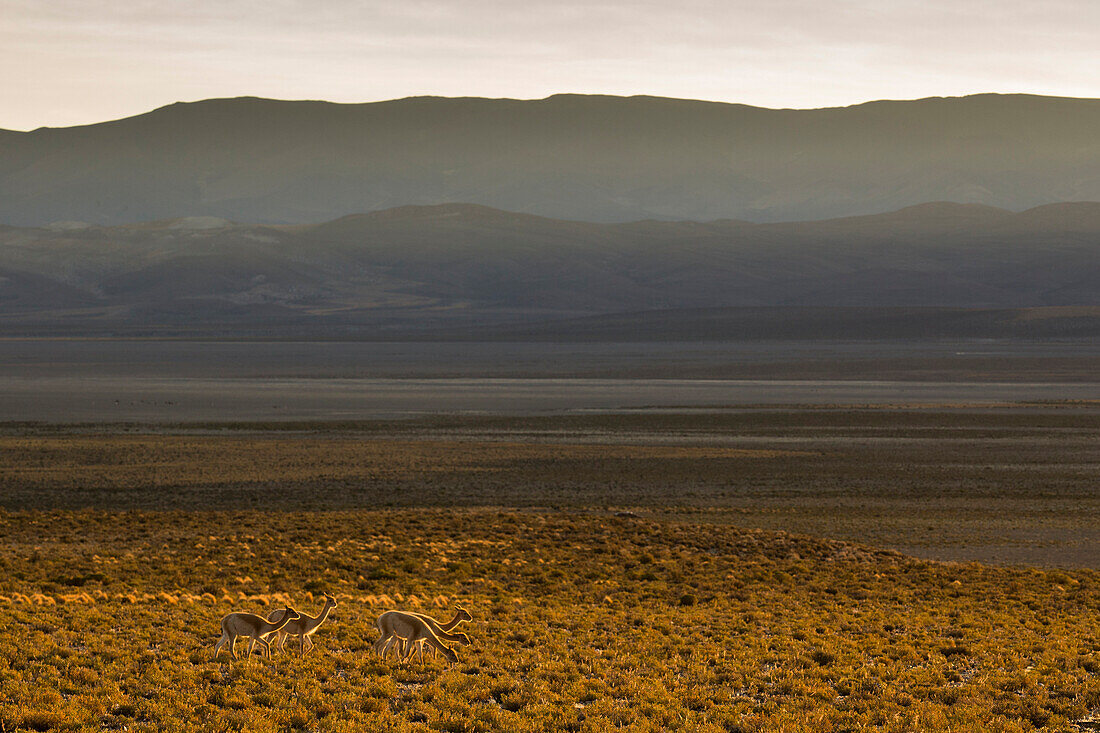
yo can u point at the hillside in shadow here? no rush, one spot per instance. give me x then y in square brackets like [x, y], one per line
[466, 271]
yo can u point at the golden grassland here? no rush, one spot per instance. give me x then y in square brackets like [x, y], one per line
[122, 548]
[582, 621]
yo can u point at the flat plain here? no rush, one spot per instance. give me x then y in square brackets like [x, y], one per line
[728, 570]
[173, 381]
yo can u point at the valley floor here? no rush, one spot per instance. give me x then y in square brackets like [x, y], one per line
[1012, 484]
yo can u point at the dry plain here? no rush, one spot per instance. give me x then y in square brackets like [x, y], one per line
[776, 569]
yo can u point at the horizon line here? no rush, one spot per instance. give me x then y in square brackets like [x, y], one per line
[415, 97]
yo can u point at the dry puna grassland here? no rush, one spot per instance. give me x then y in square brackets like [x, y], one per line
[122, 547]
[582, 621]
[994, 485]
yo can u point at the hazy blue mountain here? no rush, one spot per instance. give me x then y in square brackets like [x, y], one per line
[467, 269]
[589, 158]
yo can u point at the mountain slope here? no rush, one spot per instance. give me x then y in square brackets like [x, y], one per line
[592, 158]
[457, 267]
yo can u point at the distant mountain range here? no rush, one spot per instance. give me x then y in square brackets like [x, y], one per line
[467, 271]
[590, 158]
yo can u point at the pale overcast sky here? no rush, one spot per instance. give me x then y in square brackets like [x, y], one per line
[66, 62]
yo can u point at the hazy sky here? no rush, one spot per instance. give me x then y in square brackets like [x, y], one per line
[65, 62]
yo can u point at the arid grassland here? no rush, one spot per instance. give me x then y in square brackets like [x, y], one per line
[582, 622]
[755, 587]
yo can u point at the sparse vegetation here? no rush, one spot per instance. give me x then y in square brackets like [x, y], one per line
[1012, 484]
[583, 620]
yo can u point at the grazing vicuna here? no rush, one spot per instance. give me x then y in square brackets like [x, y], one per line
[413, 630]
[461, 615]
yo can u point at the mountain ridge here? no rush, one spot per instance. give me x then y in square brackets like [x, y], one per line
[560, 96]
[918, 212]
[579, 157]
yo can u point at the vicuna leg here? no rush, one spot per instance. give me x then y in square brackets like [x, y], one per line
[221, 642]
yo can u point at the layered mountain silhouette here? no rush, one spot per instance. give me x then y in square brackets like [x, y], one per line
[590, 158]
[468, 271]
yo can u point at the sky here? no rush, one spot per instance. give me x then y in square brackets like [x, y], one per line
[68, 62]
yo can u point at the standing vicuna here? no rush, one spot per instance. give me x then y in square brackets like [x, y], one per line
[303, 627]
[253, 626]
